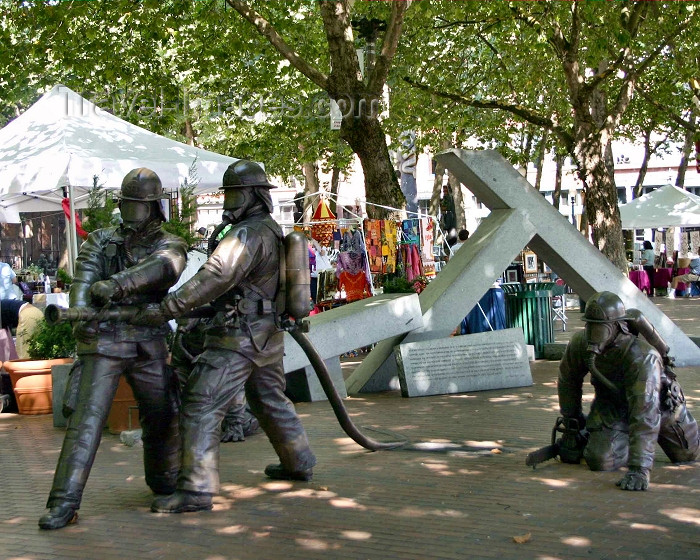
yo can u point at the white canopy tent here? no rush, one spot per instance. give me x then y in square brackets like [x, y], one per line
[667, 206]
[62, 141]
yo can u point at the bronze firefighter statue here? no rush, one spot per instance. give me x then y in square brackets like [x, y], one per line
[188, 343]
[638, 401]
[131, 265]
[244, 345]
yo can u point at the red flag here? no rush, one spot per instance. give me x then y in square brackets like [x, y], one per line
[78, 226]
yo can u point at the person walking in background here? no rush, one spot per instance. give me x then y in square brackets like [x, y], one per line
[462, 236]
[647, 261]
[8, 279]
[692, 276]
[24, 318]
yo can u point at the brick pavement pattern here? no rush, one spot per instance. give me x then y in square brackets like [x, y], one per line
[465, 497]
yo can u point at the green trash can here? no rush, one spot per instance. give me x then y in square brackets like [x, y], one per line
[529, 306]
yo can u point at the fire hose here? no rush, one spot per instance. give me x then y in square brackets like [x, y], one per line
[55, 314]
[334, 399]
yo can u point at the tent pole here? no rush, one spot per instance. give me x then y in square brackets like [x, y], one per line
[68, 251]
[72, 240]
[69, 254]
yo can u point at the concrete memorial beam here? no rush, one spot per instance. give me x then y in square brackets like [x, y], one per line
[346, 328]
[519, 216]
[497, 184]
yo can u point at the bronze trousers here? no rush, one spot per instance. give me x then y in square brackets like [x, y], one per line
[153, 388]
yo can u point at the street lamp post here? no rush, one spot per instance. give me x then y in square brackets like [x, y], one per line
[573, 212]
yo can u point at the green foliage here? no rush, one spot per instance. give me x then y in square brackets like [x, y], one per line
[101, 206]
[63, 276]
[48, 342]
[166, 64]
[397, 285]
[32, 270]
[185, 214]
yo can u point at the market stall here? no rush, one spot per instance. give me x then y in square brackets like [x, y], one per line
[368, 253]
[674, 215]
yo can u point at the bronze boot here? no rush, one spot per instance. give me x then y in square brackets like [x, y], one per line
[182, 501]
[58, 517]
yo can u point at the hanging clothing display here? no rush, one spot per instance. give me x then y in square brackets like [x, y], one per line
[426, 239]
[323, 230]
[327, 285]
[411, 231]
[412, 262]
[353, 276]
[410, 248]
[352, 241]
[350, 262]
[355, 285]
[373, 238]
[381, 238]
[389, 240]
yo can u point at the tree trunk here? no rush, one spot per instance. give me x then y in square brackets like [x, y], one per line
[526, 148]
[365, 136]
[458, 195]
[685, 154]
[556, 196]
[637, 191]
[311, 184]
[189, 132]
[335, 180]
[434, 208]
[361, 128]
[310, 170]
[583, 226]
[541, 152]
[596, 170]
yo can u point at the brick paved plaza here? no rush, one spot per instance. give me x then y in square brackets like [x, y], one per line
[465, 499]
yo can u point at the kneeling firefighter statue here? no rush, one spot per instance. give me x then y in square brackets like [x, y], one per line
[638, 401]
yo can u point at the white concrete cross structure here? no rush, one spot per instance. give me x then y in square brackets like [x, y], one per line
[520, 216]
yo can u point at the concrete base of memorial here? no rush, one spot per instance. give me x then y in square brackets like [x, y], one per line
[459, 364]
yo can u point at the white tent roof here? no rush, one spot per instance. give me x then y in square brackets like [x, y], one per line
[664, 207]
[63, 139]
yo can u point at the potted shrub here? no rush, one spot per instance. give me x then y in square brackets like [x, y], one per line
[63, 279]
[31, 273]
[49, 345]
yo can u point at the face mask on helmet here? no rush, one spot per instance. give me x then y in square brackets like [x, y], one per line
[134, 213]
[599, 335]
[237, 201]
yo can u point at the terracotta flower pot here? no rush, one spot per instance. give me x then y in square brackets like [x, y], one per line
[124, 414]
[31, 383]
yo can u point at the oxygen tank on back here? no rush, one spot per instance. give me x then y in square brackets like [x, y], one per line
[297, 284]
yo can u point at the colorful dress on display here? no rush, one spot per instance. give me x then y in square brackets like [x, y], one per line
[352, 276]
[355, 285]
[389, 246]
[373, 238]
[412, 261]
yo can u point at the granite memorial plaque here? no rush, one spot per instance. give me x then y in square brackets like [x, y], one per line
[473, 362]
